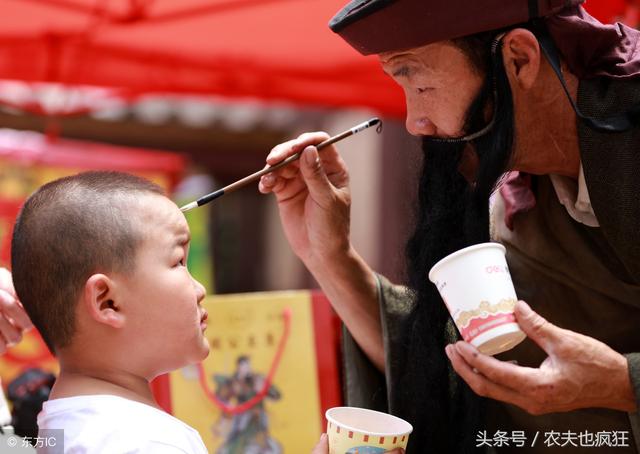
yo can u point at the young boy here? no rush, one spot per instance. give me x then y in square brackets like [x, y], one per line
[98, 261]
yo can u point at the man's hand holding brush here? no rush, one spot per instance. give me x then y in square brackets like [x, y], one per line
[313, 198]
[314, 202]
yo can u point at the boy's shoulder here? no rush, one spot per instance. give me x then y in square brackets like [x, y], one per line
[106, 423]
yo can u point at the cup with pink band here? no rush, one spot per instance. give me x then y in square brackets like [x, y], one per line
[476, 286]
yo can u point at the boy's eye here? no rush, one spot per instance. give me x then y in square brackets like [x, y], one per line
[180, 262]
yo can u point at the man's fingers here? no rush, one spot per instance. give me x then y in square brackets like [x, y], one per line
[337, 173]
[331, 164]
[283, 151]
[280, 185]
[288, 171]
[537, 328]
[286, 149]
[480, 384]
[503, 373]
[283, 189]
[13, 310]
[320, 187]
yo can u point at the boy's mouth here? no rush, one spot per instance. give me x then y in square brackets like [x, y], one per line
[203, 320]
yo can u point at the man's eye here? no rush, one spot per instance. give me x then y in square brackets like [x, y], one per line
[422, 90]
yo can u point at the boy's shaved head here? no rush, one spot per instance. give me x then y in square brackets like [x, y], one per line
[67, 231]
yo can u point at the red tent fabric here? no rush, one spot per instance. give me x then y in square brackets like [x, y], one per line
[270, 49]
[626, 11]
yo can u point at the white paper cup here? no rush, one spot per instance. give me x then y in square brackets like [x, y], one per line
[476, 286]
[353, 430]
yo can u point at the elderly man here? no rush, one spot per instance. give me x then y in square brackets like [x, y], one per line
[540, 89]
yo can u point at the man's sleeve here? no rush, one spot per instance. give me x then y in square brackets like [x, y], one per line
[365, 385]
[634, 373]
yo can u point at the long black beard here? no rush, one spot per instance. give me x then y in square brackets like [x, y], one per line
[451, 214]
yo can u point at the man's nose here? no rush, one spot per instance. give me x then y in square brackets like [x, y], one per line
[417, 122]
[420, 127]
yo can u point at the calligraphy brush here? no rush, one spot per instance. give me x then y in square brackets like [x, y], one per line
[253, 177]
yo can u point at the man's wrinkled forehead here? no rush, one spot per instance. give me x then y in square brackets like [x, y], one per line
[425, 54]
[377, 26]
[429, 60]
[403, 56]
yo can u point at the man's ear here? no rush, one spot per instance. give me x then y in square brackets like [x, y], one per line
[100, 300]
[521, 55]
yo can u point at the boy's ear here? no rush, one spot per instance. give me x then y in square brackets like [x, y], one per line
[521, 55]
[99, 299]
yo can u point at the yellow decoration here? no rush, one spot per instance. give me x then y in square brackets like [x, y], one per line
[244, 332]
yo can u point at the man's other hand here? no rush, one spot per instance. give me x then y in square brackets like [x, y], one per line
[579, 371]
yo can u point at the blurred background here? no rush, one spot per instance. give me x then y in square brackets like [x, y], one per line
[218, 83]
[193, 94]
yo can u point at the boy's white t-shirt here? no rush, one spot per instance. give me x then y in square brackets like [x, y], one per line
[108, 424]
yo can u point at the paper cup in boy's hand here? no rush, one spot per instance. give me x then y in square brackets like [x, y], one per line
[476, 286]
[354, 430]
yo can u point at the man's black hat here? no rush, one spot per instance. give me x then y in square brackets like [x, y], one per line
[376, 26]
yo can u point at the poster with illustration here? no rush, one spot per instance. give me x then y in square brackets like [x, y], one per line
[271, 374]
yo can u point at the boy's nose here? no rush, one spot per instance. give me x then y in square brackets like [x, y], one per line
[201, 292]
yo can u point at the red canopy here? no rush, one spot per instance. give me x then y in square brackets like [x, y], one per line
[625, 11]
[270, 49]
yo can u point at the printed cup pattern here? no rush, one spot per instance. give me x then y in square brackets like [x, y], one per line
[477, 289]
[347, 439]
[487, 316]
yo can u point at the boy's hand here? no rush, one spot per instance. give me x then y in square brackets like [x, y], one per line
[323, 447]
[13, 319]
